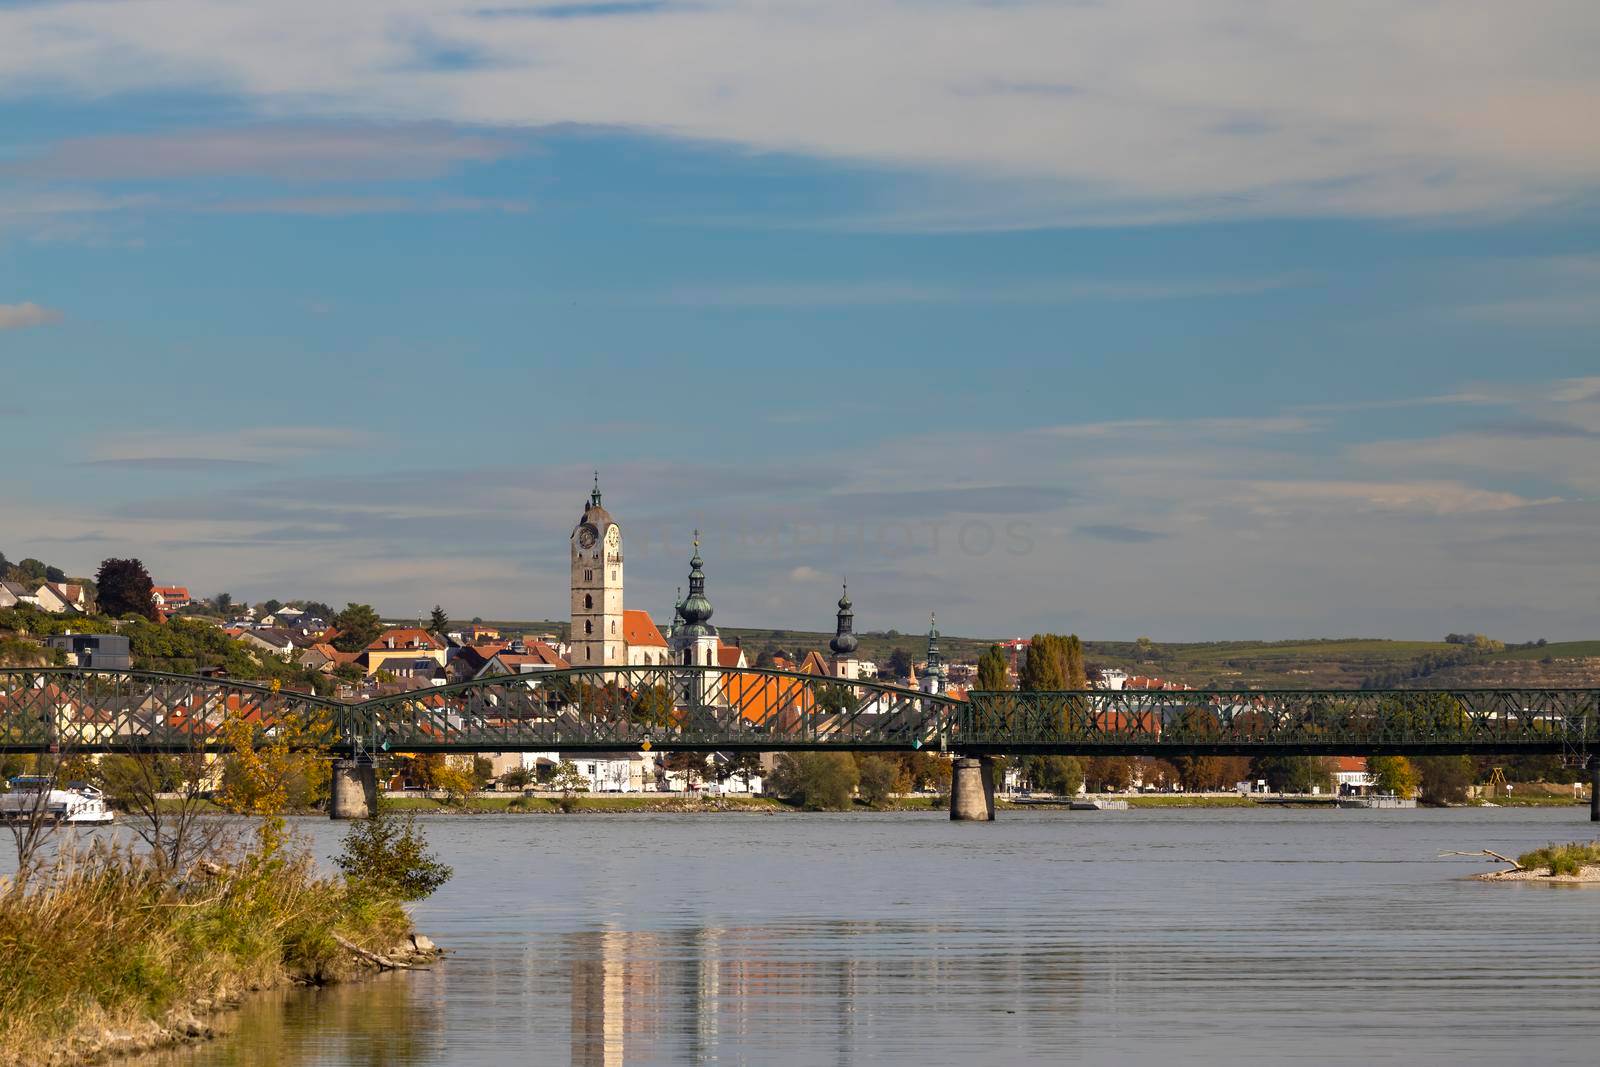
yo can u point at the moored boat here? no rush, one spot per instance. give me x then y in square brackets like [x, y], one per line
[79, 802]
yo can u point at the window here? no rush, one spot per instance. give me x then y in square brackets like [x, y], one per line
[613, 574]
[588, 576]
[588, 628]
[708, 657]
[588, 601]
[613, 626]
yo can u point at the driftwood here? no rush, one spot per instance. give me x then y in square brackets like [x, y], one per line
[383, 963]
[1515, 866]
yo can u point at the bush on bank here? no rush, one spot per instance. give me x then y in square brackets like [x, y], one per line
[112, 950]
[1567, 860]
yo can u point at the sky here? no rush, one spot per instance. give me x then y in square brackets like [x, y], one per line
[1199, 321]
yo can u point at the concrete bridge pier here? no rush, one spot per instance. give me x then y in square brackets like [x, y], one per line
[972, 789]
[1594, 788]
[354, 792]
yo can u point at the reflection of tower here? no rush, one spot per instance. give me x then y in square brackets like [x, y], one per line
[933, 676]
[843, 645]
[600, 995]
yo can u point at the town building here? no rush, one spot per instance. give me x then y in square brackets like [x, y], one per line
[96, 651]
[62, 598]
[398, 650]
[933, 675]
[170, 598]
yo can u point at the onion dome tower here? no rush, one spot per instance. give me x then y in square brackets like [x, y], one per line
[844, 643]
[933, 675]
[696, 639]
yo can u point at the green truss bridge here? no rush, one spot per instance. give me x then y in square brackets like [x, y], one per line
[710, 709]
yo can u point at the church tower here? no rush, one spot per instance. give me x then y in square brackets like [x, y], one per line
[933, 676]
[597, 635]
[843, 645]
[695, 640]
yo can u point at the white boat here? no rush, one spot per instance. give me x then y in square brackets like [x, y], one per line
[79, 802]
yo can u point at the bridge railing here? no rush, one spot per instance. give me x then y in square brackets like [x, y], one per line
[714, 708]
[1243, 721]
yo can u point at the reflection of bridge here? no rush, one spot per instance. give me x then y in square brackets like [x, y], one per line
[709, 709]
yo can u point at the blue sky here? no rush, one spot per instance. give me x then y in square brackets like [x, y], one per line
[1195, 321]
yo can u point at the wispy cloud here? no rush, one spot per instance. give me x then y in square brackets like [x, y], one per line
[1217, 110]
[1130, 535]
[1207, 427]
[295, 153]
[20, 316]
[884, 292]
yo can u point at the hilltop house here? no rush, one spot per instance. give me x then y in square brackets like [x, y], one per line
[62, 597]
[397, 651]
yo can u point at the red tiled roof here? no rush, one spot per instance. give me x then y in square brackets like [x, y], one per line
[639, 630]
[1350, 764]
[405, 638]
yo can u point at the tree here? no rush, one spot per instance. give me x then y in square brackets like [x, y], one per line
[166, 797]
[692, 765]
[32, 570]
[1394, 774]
[271, 607]
[1144, 648]
[223, 602]
[992, 676]
[876, 777]
[900, 663]
[1108, 774]
[358, 627]
[1293, 774]
[54, 574]
[1444, 779]
[817, 781]
[569, 782]
[653, 708]
[389, 858]
[125, 589]
[1042, 667]
[439, 623]
[1061, 775]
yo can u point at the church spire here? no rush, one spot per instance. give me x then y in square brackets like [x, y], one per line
[594, 497]
[933, 675]
[844, 639]
[696, 608]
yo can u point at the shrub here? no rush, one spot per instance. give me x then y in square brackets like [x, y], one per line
[388, 857]
[1444, 779]
[1562, 859]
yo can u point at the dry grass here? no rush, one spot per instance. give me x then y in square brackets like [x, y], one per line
[109, 951]
[1562, 860]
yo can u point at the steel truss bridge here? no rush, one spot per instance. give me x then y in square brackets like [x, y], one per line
[684, 708]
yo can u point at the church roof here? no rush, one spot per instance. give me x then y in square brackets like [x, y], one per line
[728, 655]
[813, 664]
[593, 512]
[639, 630]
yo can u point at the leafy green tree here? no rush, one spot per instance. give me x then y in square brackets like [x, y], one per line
[125, 589]
[271, 606]
[1062, 775]
[1444, 779]
[1394, 774]
[817, 781]
[54, 574]
[388, 857]
[223, 602]
[358, 626]
[876, 780]
[570, 783]
[32, 570]
[1043, 666]
[1293, 774]
[900, 663]
[692, 765]
[439, 622]
[992, 666]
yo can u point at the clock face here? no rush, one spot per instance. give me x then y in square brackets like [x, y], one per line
[586, 536]
[613, 536]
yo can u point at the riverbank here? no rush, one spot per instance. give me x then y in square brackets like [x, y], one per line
[108, 954]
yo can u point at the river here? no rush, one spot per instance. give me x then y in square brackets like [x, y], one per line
[1135, 937]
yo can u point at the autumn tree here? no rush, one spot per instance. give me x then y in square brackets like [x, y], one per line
[1444, 779]
[1394, 774]
[876, 777]
[653, 708]
[125, 589]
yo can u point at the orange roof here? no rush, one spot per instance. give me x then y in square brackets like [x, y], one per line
[728, 655]
[170, 591]
[813, 664]
[406, 638]
[538, 654]
[637, 629]
[1350, 764]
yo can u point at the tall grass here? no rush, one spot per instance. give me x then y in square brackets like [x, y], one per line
[111, 943]
[1568, 859]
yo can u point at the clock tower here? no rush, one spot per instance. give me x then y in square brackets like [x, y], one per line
[597, 636]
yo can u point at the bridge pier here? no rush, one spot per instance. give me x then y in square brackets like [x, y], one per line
[1594, 788]
[354, 793]
[972, 789]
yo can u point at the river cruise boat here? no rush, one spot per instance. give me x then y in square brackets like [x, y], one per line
[78, 802]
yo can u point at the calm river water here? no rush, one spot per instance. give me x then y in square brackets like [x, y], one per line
[1134, 937]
